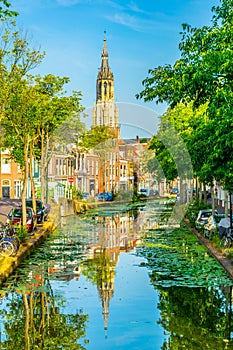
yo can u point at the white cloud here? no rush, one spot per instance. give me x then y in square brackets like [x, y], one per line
[134, 7]
[125, 20]
[139, 24]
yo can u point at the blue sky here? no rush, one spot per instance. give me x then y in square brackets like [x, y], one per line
[141, 34]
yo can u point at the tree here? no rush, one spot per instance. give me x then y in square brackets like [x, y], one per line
[19, 127]
[5, 9]
[101, 141]
[95, 137]
[203, 75]
[55, 108]
[17, 58]
[170, 145]
[31, 107]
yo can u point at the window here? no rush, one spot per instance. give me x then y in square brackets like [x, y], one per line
[17, 189]
[6, 166]
[105, 88]
[64, 167]
[57, 167]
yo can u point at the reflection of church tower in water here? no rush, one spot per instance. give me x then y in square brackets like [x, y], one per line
[106, 284]
[105, 111]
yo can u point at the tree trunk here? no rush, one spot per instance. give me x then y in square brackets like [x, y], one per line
[205, 194]
[25, 181]
[200, 190]
[42, 167]
[33, 195]
[226, 204]
[212, 200]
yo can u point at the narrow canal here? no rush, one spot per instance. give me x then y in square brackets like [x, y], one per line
[118, 278]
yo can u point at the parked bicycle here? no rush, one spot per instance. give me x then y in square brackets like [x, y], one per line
[227, 240]
[9, 242]
[225, 233]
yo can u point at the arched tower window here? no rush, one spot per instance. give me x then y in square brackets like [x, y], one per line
[99, 91]
[110, 90]
[105, 88]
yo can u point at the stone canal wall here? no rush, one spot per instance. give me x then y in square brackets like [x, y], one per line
[9, 264]
[63, 208]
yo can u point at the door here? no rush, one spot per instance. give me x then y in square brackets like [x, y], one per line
[6, 191]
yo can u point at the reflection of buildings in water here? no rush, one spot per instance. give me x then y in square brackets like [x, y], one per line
[116, 232]
[119, 230]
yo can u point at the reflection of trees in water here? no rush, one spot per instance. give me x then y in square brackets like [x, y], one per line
[196, 318]
[34, 319]
[196, 313]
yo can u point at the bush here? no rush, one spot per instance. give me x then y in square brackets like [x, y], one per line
[124, 195]
[21, 232]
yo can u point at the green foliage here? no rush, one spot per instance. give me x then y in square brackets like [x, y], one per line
[22, 233]
[176, 258]
[31, 108]
[124, 195]
[96, 138]
[143, 140]
[166, 162]
[203, 76]
[5, 9]
[76, 193]
[139, 197]
[170, 144]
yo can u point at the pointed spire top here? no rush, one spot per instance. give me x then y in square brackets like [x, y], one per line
[104, 63]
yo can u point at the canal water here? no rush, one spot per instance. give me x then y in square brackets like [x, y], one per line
[118, 277]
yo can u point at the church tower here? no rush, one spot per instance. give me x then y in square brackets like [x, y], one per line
[105, 111]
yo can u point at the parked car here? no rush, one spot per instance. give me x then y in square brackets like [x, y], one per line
[85, 195]
[42, 211]
[174, 190]
[144, 191]
[107, 196]
[15, 217]
[202, 218]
